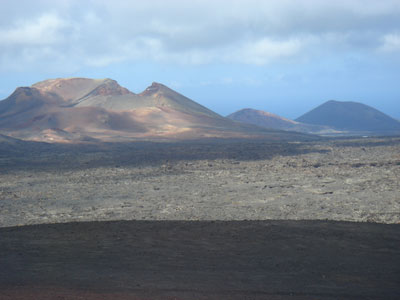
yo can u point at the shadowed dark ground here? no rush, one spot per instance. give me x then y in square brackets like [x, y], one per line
[201, 260]
[42, 156]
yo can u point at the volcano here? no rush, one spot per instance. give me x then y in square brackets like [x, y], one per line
[351, 116]
[83, 109]
[269, 120]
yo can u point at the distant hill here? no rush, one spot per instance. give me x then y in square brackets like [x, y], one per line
[269, 120]
[83, 109]
[351, 116]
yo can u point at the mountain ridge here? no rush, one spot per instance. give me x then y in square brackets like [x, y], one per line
[84, 109]
[269, 120]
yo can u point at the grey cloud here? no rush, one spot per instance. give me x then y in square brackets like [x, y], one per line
[102, 32]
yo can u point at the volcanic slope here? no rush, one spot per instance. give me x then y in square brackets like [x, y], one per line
[351, 116]
[76, 109]
[269, 120]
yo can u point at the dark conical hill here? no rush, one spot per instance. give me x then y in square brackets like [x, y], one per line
[350, 116]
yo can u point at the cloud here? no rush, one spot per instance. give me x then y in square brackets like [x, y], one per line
[43, 31]
[72, 34]
[391, 43]
[262, 51]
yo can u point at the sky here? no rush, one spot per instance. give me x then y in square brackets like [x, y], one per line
[281, 56]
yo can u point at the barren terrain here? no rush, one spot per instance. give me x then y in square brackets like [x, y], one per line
[346, 180]
[180, 260]
[233, 219]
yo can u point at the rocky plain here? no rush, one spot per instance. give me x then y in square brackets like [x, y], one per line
[210, 219]
[343, 180]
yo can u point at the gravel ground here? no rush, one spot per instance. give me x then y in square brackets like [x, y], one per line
[215, 260]
[346, 180]
[200, 225]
